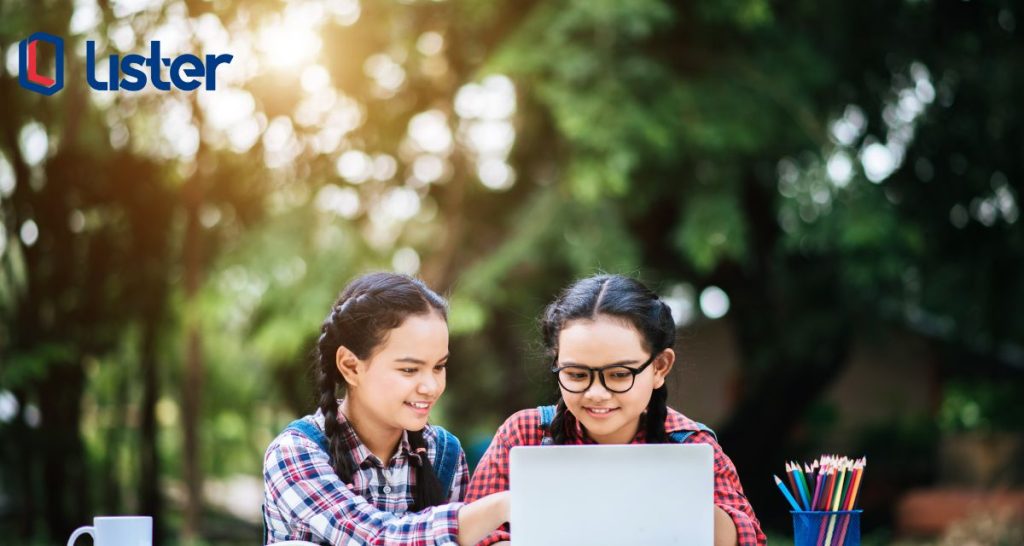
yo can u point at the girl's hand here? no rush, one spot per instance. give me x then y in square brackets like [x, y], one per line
[725, 529]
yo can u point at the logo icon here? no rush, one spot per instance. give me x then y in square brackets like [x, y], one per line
[29, 76]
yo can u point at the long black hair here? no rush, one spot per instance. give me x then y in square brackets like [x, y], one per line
[365, 312]
[623, 298]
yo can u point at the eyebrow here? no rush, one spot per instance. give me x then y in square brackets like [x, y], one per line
[413, 360]
[619, 363]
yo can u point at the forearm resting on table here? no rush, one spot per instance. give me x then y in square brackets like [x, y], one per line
[725, 529]
[477, 519]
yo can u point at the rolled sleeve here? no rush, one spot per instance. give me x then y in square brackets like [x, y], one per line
[747, 530]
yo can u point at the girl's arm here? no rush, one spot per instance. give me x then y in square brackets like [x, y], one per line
[491, 474]
[725, 529]
[489, 478]
[479, 518]
[302, 484]
[730, 500]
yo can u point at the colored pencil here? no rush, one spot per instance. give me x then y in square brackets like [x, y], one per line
[801, 482]
[792, 481]
[858, 472]
[836, 484]
[817, 491]
[785, 492]
[837, 494]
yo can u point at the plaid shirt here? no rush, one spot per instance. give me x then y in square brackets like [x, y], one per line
[305, 500]
[523, 429]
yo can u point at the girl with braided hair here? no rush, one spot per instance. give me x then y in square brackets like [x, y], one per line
[368, 469]
[609, 342]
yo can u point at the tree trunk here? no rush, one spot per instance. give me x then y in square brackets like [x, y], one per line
[149, 469]
[23, 455]
[794, 336]
[192, 395]
[64, 486]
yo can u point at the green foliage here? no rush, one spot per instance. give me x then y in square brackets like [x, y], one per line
[981, 406]
[713, 231]
[24, 367]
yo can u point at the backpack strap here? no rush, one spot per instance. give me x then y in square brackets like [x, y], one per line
[547, 415]
[311, 431]
[446, 460]
[680, 436]
[263, 512]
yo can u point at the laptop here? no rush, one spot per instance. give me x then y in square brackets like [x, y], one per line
[612, 495]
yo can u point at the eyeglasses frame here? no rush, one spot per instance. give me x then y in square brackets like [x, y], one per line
[555, 369]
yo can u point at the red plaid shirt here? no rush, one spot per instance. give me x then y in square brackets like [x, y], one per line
[524, 429]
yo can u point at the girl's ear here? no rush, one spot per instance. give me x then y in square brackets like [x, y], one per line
[348, 366]
[663, 365]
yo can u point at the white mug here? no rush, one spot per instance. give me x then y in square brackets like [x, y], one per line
[117, 531]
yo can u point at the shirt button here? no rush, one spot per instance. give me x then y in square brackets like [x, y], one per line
[387, 489]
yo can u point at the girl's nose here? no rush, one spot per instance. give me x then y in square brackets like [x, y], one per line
[597, 392]
[428, 386]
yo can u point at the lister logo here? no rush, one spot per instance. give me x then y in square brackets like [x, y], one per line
[29, 76]
[186, 72]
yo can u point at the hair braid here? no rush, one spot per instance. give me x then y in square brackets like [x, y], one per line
[657, 411]
[328, 380]
[563, 421]
[428, 490]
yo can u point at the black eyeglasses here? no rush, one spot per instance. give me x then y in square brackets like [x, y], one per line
[615, 378]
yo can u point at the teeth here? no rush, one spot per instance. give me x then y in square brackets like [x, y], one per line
[419, 405]
[600, 410]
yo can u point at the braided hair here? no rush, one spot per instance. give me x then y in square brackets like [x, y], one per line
[365, 312]
[624, 298]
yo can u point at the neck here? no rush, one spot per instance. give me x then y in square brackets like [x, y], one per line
[380, 439]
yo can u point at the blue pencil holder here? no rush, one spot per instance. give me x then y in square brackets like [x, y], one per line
[813, 528]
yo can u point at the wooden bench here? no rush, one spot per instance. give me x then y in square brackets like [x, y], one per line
[930, 512]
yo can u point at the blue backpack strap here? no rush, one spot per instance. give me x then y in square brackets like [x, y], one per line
[680, 436]
[547, 415]
[446, 461]
[311, 431]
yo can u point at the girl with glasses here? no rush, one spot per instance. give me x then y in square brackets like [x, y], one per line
[368, 469]
[609, 339]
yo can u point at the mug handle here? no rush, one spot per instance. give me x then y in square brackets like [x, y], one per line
[91, 531]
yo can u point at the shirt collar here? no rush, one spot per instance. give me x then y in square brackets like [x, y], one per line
[361, 455]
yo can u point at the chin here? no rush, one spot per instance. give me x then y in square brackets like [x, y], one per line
[413, 424]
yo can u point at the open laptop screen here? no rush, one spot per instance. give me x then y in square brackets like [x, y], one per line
[612, 495]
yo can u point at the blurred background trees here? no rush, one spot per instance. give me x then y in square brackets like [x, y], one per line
[817, 175]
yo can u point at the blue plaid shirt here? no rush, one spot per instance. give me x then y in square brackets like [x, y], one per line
[305, 500]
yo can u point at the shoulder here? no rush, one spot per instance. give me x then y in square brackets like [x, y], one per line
[677, 422]
[436, 436]
[523, 427]
[291, 442]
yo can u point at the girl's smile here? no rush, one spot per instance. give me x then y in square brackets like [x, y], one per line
[599, 412]
[420, 408]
